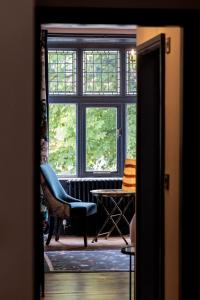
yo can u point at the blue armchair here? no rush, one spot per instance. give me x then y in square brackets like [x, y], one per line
[61, 205]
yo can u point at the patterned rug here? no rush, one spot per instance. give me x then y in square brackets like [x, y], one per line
[87, 261]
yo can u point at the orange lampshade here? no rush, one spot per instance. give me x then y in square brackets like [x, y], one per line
[129, 178]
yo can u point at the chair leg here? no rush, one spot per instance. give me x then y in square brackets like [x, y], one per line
[85, 231]
[51, 229]
[58, 227]
[42, 286]
[42, 278]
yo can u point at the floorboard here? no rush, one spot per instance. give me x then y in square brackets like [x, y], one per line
[87, 286]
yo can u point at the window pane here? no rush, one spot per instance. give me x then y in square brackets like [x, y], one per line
[131, 131]
[131, 72]
[62, 72]
[62, 138]
[101, 139]
[101, 72]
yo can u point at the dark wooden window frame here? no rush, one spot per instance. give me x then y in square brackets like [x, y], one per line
[82, 101]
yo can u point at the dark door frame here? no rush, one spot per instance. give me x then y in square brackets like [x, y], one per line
[189, 207]
[150, 215]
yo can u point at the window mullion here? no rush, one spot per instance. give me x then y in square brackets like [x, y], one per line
[79, 72]
[121, 139]
[123, 148]
[80, 133]
[123, 72]
[80, 140]
[83, 146]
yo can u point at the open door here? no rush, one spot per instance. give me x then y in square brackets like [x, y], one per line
[150, 170]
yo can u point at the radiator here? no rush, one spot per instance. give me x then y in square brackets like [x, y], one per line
[80, 188]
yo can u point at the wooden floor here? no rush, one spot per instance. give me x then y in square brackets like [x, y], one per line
[87, 286]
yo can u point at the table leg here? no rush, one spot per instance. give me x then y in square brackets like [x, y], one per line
[119, 231]
[121, 216]
[109, 218]
[103, 226]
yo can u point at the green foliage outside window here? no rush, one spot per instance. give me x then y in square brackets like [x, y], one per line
[131, 131]
[62, 138]
[101, 139]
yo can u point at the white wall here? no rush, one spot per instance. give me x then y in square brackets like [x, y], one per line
[173, 96]
[16, 149]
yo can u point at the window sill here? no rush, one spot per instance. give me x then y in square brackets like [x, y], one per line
[88, 178]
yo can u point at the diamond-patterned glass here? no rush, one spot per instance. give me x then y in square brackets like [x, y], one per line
[131, 72]
[62, 72]
[101, 72]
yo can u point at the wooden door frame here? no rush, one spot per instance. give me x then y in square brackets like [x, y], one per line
[190, 154]
[150, 175]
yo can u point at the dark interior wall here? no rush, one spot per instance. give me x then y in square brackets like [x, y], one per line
[16, 150]
[16, 127]
[190, 195]
[123, 4]
[199, 159]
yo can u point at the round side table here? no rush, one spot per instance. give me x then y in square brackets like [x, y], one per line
[129, 250]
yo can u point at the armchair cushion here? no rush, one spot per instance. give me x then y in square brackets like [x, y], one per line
[82, 209]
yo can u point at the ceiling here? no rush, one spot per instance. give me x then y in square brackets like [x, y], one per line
[90, 28]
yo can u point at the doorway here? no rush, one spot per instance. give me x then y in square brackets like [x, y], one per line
[104, 89]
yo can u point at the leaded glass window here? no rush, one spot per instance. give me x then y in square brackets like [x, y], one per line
[131, 72]
[101, 72]
[62, 72]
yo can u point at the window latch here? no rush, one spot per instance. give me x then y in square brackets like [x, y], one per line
[119, 132]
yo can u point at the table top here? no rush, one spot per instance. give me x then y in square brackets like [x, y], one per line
[128, 250]
[111, 192]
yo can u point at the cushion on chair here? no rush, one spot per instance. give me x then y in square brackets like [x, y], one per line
[55, 185]
[82, 209]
